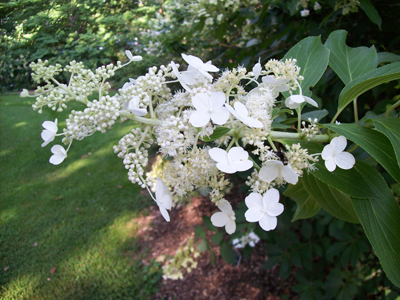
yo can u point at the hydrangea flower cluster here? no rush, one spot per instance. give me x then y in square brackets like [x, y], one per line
[204, 131]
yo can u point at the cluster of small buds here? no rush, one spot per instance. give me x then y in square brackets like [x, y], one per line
[135, 163]
[132, 141]
[230, 81]
[98, 116]
[190, 171]
[51, 97]
[178, 101]
[171, 135]
[299, 159]
[150, 85]
[311, 130]
[43, 72]
[285, 69]
[184, 258]
[250, 239]
[256, 184]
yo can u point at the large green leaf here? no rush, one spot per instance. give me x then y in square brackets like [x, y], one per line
[349, 63]
[306, 205]
[380, 218]
[332, 200]
[368, 81]
[312, 57]
[391, 128]
[218, 133]
[373, 142]
[371, 12]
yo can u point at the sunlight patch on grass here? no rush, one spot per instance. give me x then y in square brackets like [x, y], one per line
[20, 287]
[20, 124]
[7, 214]
[4, 152]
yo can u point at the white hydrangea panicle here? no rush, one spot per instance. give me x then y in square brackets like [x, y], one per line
[226, 217]
[334, 155]
[264, 209]
[311, 130]
[299, 159]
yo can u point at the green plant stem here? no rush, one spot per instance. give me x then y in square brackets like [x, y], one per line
[271, 143]
[355, 111]
[298, 118]
[392, 108]
[128, 115]
[231, 144]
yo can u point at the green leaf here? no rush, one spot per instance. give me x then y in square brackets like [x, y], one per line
[387, 57]
[312, 57]
[277, 112]
[349, 63]
[371, 12]
[219, 132]
[208, 224]
[379, 215]
[319, 114]
[330, 199]
[217, 238]
[199, 232]
[227, 253]
[373, 142]
[306, 205]
[391, 128]
[284, 270]
[368, 81]
[203, 246]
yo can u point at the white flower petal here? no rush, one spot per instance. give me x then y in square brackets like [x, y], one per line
[327, 152]
[268, 222]
[219, 219]
[254, 200]
[237, 154]
[271, 197]
[220, 116]
[251, 122]
[188, 78]
[227, 168]
[59, 154]
[51, 126]
[24, 93]
[241, 109]
[200, 101]
[218, 154]
[217, 100]
[330, 164]
[345, 160]
[289, 175]
[270, 170]
[244, 165]
[47, 137]
[310, 101]
[254, 214]
[339, 143]
[257, 69]
[230, 226]
[199, 118]
[275, 209]
[225, 207]
[164, 213]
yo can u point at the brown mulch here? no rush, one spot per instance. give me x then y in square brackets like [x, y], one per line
[222, 281]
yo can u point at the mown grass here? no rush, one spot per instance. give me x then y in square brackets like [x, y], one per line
[74, 217]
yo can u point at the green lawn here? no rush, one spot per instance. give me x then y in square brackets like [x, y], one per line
[73, 217]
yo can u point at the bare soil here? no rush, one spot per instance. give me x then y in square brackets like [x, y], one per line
[222, 281]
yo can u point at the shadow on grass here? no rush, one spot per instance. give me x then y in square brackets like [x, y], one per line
[63, 228]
